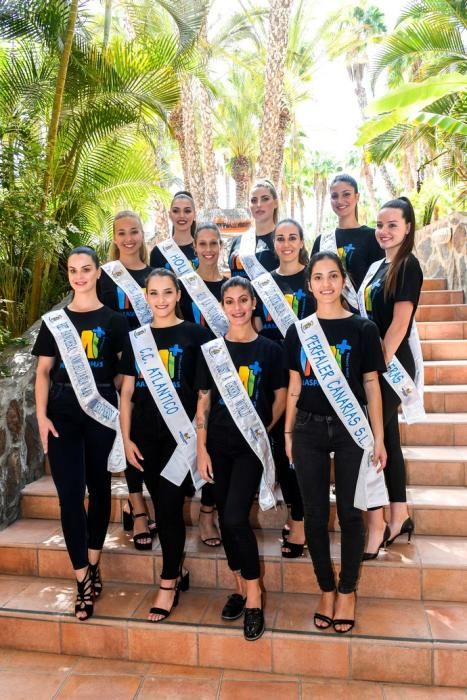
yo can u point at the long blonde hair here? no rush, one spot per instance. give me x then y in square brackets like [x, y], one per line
[114, 253]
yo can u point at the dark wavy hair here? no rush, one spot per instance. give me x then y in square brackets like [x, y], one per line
[327, 255]
[349, 180]
[405, 206]
[164, 272]
[303, 257]
[85, 250]
[237, 281]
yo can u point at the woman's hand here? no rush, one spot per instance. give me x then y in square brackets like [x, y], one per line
[379, 454]
[205, 464]
[288, 446]
[46, 426]
[133, 454]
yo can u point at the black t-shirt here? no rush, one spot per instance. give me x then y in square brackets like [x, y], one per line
[156, 259]
[189, 309]
[295, 290]
[409, 284]
[259, 364]
[115, 298]
[179, 348]
[356, 346]
[357, 248]
[102, 333]
[264, 252]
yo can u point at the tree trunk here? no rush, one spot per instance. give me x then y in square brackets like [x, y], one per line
[36, 287]
[192, 149]
[107, 22]
[370, 185]
[279, 15]
[161, 221]
[210, 169]
[176, 124]
[391, 188]
[241, 176]
[284, 121]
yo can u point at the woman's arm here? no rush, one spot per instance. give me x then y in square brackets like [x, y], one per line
[203, 409]
[41, 390]
[293, 392]
[375, 412]
[132, 452]
[278, 406]
[398, 328]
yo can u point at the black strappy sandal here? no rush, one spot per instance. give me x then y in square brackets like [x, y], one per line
[322, 618]
[210, 541]
[140, 536]
[162, 611]
[96, 579]
[85, 597]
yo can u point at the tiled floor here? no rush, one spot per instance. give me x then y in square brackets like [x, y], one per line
[26, 675]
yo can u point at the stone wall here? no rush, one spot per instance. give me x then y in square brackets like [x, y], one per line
[441, 249]
[21, 456]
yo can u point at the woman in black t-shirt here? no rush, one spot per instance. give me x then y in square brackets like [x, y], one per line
[225, 455]
[78, 446]
[129, 247]
[264, 210]
[356, 244]
[182, 214]
[291, 278]
[313, 430]
[147, 439]
[391, 300]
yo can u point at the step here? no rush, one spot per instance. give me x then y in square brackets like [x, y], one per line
[429, 297]
[447, 330]
[22, 673]
[444, 349]
[445, 399]
[395, 641]
[443, 429]
[442, 312]
[436, 466]
[36, 548]
[445, 372]
[434, 283]
[438, 510]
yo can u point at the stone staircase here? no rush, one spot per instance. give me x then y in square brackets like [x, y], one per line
[412, 609]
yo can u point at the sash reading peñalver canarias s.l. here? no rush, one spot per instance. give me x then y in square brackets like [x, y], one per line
[122, 278]
[371, 490]
[164, 394]
[84, 385]
[409, 392]
[243, 413]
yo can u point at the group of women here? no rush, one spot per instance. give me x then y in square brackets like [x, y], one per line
[231, 385]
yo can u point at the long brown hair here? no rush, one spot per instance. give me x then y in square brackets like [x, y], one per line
[407, 245]
[114, 253]
[164, 272]
[184, 194]
[303, 257]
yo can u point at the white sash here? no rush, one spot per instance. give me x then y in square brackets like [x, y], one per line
[122, 278]
[273, 297]
[371, 489]
[328, 242]
[83, 383]
[243, 414]
[159, 384]
[175, 257]
[247, 255]
[409, 392]
[206, 302]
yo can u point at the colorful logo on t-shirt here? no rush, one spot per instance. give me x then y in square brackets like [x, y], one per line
[92, 341]
[197, 315]
[345, 253]
[171, 359]
[293, 301]
[338, 351]
[249, 375]
[370, 293]
[122, 300]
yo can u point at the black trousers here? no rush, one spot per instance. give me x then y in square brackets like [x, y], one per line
[237, 475]
[394, 472]
[168, 499]
[314, 438]
[286, 476]
[78, 459]
[134, 480]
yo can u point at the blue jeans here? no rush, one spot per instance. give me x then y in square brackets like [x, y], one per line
[314, 437]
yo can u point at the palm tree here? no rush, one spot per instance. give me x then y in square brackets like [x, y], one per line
[279, 16]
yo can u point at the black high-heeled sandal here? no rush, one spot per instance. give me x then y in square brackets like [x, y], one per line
[184, 581]
[162, 611]
[319, 617]
[295, 550]
[368, 556]
[96, 579]
[210, 541]
[140, 536]
[407, 528]
[85, 597]
[341, 621]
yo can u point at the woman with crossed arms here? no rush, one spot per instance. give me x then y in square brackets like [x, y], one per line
[313, 429]
[225, 454]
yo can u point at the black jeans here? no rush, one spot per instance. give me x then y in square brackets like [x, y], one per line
[78, 459]
[314, 438]
[168, 499]
[394, 472]
[237, 475]
[285, 475]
